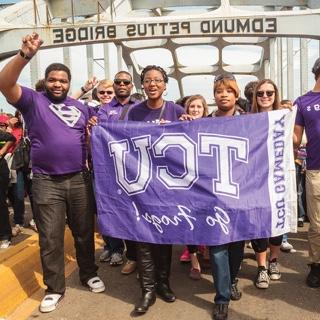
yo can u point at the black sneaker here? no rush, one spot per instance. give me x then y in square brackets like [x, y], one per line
[220, 311]
[235, 293]
[313, 278]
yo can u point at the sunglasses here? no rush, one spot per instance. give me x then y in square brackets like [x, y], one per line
[105, 92]
[124, 81]
[224, 76]
[268, 93]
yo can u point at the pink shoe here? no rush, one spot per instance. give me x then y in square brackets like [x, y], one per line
[185, 256]
[201, 249]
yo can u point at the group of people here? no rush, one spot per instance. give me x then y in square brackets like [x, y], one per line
[62, 179]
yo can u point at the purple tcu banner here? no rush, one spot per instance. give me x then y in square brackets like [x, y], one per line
[208, 181]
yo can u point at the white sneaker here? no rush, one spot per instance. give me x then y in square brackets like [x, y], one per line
[286, 246]
[33, 225]
[16, 230]
[96, 285]
[50, 302]
[4, 244]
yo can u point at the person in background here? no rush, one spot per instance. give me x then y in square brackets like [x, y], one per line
[21, 164]
[248, 93]
[308, 120]
[196, 106]
[265, 99]
[61, 182]
[285, 245]
[117, 110]
[6, 141]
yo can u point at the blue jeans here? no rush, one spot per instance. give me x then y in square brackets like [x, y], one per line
[113, 244]
[5, 228]
[301, 182]
[225, 263]
[56, 197]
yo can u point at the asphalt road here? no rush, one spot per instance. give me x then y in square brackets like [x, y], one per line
[288, 298]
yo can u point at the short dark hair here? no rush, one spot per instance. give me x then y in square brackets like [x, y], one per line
[154, 67]
[40, 85]
[125, 72]
[248, 90]
[57, 67]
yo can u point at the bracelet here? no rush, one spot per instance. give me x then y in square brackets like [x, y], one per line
[24, 55]
[83, 90]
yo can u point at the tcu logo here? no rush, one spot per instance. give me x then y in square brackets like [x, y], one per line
[226, 148]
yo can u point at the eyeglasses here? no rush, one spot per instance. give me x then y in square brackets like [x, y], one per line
[268, 93]
[105, 92]
[124, 81]
[227, 76]
[149, 81]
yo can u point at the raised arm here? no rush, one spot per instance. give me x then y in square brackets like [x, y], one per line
[10, 73]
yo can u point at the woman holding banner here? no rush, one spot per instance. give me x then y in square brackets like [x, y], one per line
[266, 98]
[154, 260]
[226, 258]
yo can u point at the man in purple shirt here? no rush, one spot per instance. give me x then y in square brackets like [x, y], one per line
[61, 183]
[308, 119]
[117, 109]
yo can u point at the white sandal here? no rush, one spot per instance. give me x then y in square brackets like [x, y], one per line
[96, 285]
[50, 302]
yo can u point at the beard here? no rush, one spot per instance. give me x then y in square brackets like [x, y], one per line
[56, 99]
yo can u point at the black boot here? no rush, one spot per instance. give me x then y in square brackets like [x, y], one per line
[313, 278]
[165, 292]
[163, 266]
[147, 279]
[148, 299]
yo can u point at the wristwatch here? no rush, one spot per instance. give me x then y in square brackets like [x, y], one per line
[24, 55]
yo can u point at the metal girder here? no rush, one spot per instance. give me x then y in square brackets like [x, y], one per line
[147, 4]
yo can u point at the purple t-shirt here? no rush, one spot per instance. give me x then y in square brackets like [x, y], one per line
[308, 116]
[141, 112]
[57, 132]
[113, 110]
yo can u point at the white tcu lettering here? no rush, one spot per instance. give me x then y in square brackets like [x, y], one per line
[119, 150]
[227, 149]
[182, 143]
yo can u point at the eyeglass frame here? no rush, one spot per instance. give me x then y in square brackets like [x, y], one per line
[149, 81]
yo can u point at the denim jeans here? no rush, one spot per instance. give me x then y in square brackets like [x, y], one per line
[225, 263]
[16, 195]
[5, 228]
[113, 244]
[301, 182]
[55, 198]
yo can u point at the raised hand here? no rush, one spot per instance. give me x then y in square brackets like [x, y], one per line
[31, 44]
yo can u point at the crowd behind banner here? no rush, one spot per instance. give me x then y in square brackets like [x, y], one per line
[56, 147]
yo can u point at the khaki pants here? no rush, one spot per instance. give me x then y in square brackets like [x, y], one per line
[313, 210]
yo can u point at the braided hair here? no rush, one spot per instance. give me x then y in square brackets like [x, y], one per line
[154, 67]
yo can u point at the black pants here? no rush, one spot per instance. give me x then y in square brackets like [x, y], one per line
[55, 198]
[5, 228]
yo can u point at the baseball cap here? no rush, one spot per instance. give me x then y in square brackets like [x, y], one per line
[316, 66]
[4, 119]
